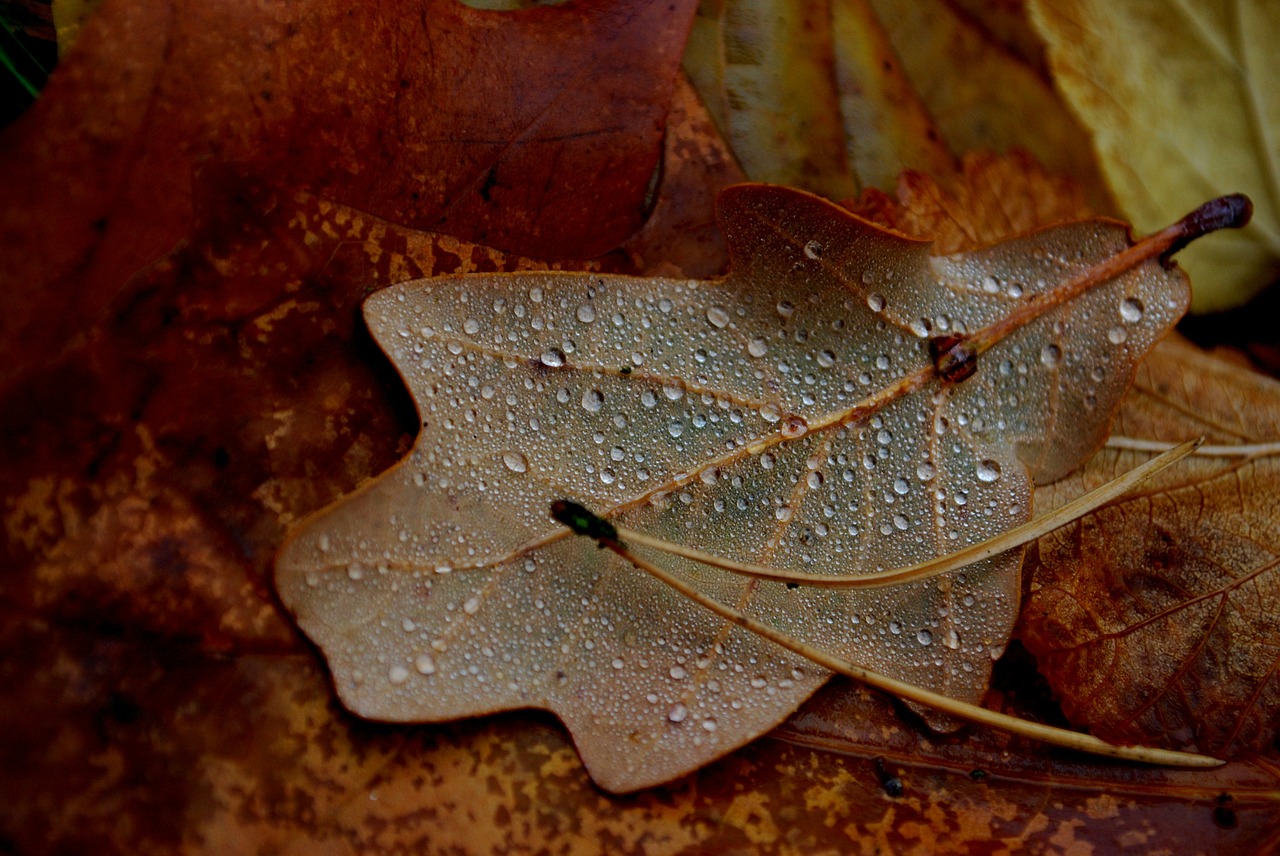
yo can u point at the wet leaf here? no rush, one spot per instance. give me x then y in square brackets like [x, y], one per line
[535, 131]
[1158, 618]
[766, 417]
[1181, 102]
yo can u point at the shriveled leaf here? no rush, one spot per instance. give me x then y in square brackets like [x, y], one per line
[768, 417]
[536, 131]
[1182, 103]
[1159, 618]
[984, 97]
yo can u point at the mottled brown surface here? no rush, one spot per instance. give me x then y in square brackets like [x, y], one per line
[536, 131]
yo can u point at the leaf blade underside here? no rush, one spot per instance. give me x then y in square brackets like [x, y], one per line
[747, 417]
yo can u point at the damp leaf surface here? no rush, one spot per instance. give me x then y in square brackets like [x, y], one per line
[788, 414]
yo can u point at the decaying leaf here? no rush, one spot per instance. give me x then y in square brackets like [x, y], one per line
[790, 414]
[1152, 620]
[1182, 103]
[536, 131]
[1159, 618]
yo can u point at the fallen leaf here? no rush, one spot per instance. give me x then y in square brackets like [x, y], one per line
[809, 94]
[1153, 620]
[756, 418]
[537, 131]
[1158, 617]
[1181, 103]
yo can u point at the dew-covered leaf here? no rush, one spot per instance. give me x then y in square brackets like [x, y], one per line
[755, 417]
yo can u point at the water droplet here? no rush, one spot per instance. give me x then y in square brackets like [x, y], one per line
[875, 301]
[990, 285]
[795, 426]
[785, 308]
[398, 674]
[607, 476]
[708, 724]
[678, 673]
[814, 480]
[782, 513]
[673, 391]
[924, 637]
[925, 471]
[1131, 310]
[884, 437]
[757, 347]
[515, 461]
[472, 606]
[471, 326]
[771, 412]
[827, 359]
[813, 250]
[901, 487]
[895, 627]
[1117, 335]
[988, 471]
[678, 713]
[758, 682]
[676, 428]
[766, 461]
[552, 358]
[425, 664]
[617, 453]
[718, 316]
[952, 639]
[586, 313]
[1051, 355]
[592, 400]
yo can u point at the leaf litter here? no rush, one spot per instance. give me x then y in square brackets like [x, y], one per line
[789, 415]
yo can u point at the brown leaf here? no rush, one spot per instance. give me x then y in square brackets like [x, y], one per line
[1159, 617]
[537, 131]
[1154, 620]
[782, 395]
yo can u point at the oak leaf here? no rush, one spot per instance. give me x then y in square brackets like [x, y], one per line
[765, 417]
[1181, 103]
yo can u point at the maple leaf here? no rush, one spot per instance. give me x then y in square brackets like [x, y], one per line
[1180, 102]
[770, 417]
[537, 131]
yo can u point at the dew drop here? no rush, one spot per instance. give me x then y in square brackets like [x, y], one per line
[895, 627]
[1051, 355]
[901, 487]
[675, 428]
[592, 400]
[925, 471]
[552, 358]
[988, 471]
[425, 664]
[827, 359]
[708, 724]
[813, 250]
[771, 412]
[673, 391]
[678, 713]
[471, 326]
[1131, 310]
[924, 637]
[795, 426]
[875, 301]
[757, 347]
[617, 453]
[398, 674]
[607, 476]
[785, 308]
[472, 606]
[515, 461]
[586, 313]
[718, 316]
[1117, 335]
[814, 480]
